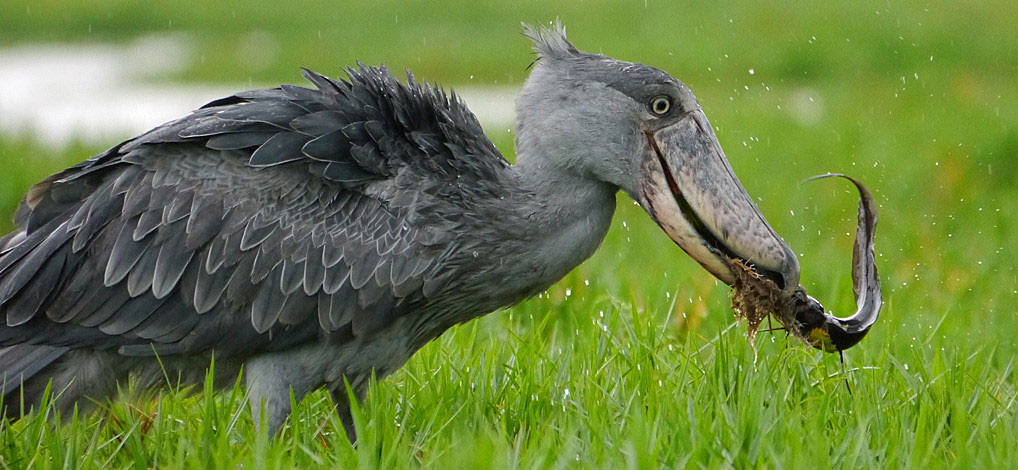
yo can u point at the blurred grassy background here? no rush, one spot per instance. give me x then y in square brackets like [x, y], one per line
[917, 100]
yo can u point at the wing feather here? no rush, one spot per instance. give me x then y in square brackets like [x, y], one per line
[204, 222]
[238, 140]
[39, 288]
[19, 275]
[266, 307]
[125, 254]
[140, 278]
[314, 270]
[168, 321]
[261, 221]
[101, 307]
[290, 278]
[298, 308]
[171, 261]
[131, 314]
[209, 288]
[148, 222]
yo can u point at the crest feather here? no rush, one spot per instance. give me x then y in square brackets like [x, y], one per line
[550, 41]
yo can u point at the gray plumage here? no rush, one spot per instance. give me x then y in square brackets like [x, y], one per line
[315, 235]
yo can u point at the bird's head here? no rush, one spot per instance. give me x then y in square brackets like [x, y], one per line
[641, 130]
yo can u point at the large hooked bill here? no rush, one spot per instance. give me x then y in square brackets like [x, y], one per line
[690, 190]
[754, 297]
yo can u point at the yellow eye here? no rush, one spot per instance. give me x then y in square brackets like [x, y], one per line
[661, 104]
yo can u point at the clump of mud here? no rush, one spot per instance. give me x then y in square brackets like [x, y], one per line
[755, 298]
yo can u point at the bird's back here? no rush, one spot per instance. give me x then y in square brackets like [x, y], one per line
[260, 223]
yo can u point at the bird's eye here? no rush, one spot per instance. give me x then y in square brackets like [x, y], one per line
[661, 104]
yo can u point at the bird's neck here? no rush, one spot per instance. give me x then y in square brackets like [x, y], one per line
[560, 218]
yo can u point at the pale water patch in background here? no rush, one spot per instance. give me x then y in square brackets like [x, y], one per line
[102, 93]
[806, 106]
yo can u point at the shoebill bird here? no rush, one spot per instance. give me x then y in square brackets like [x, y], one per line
[313, 236]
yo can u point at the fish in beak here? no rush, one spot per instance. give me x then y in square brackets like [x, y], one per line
[690, 190]
[806, 317]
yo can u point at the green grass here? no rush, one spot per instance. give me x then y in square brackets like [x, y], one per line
[632, 361]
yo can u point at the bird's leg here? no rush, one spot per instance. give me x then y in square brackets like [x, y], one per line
[269, 383]
[341, 399]
[272, 407]
[274, 410]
